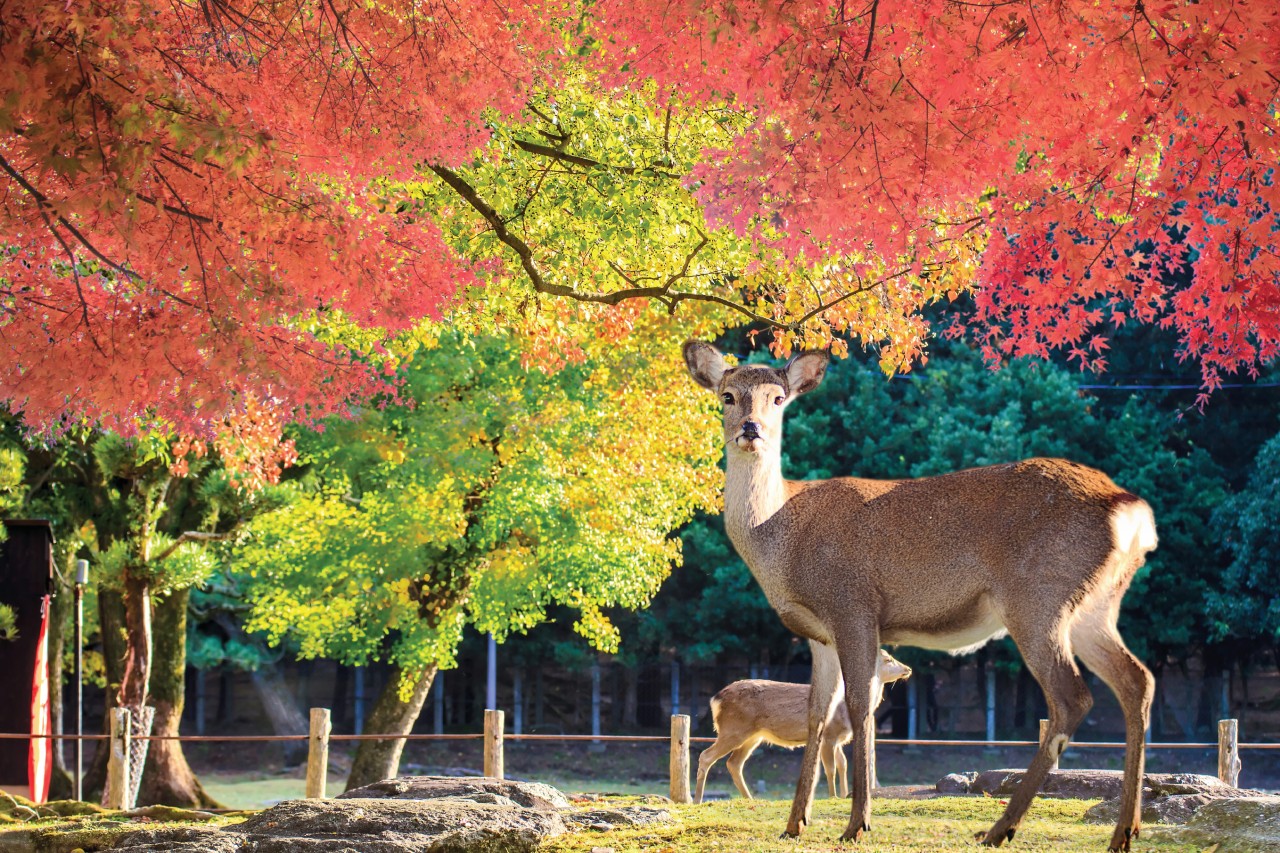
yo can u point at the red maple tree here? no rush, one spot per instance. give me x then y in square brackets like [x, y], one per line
[191, 190]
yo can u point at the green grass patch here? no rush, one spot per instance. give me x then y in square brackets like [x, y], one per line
[897, 826]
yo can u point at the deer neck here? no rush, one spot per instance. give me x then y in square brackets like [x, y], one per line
[754, 491]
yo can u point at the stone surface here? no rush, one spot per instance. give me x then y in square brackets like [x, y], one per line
[528, 794]
[361, 825]
[955, 783]
[1173, 799]
[1096, 784]
[606, 819]
[1237, 825]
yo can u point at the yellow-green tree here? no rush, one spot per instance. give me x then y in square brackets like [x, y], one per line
[489, 492]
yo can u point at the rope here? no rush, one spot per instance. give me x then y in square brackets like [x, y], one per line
[610, 739]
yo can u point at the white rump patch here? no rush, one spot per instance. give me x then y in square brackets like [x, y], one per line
[1133, 529]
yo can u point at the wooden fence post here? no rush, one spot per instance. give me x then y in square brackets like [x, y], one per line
[1229, 751]
[116, 793]
[493, 725]
[680, 758]
[318, 753]
[1044, 733]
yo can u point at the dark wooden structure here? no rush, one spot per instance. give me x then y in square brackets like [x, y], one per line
[26, 575]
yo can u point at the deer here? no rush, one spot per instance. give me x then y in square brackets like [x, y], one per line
[1041, 550]
[754, 711]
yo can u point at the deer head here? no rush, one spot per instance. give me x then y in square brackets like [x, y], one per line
[754, 396]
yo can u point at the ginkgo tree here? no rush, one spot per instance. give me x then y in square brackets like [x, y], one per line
[194, 190]
[488, 493]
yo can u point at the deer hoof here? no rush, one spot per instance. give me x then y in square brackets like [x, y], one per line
[1120, 841]
[993, 839]
[855, 833]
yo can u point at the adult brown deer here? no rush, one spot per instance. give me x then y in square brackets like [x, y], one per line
[1042, 549]
[754, 711]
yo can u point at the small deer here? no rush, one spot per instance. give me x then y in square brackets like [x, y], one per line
[750, 712]
[1042, 550]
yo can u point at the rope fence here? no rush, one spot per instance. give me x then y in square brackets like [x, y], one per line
[494, 736]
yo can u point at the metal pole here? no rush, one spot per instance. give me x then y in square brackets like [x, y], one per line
[675, 688]
[491, 691]
[359, 703]
[82, 578]
[991, 702]
[595, 701]
[437, 687]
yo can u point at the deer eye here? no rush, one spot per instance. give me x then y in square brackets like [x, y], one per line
[778, 401]
[728, 398]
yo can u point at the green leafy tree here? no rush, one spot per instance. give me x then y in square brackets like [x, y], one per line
[487, 494]
[1247, 606]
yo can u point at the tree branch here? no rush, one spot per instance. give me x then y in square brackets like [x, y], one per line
[587, 162]
[190, 536]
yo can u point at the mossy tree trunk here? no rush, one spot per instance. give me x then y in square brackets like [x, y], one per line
[61, 785]
[112, 622]
[380, 759]
[168, 778]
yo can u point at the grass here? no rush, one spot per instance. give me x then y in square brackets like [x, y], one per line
[898, 826]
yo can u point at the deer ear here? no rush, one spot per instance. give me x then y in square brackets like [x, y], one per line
[706, 364]
[805, 371]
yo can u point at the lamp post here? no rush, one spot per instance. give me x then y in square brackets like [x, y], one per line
[82, 578]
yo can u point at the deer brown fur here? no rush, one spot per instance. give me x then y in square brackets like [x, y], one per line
[754, 711]
[1042, 549]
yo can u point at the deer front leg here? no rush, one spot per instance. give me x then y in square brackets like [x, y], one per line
[859, 655]
[823, 693]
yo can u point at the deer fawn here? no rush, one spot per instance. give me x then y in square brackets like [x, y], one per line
[748, 713]
[1042, 550]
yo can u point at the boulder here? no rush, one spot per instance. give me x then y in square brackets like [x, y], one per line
[1173, 799]
[1236, 824]
[606, 819]
[955, 783]
[448, 825]
[1096, 784]
[528, 794]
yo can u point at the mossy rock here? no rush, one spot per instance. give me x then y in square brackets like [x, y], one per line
[72, 808]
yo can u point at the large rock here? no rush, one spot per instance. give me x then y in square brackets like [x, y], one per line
[448, 825]
[956, 783]
[1237, 825]
[1096, 784]
[1173, 801]
[606, 819]
[528, 794]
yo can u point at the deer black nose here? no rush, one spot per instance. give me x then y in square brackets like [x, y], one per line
[750, 429]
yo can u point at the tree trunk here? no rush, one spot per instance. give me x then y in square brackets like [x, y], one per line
[137, 660]
[631, 674]
[168, 778]
[61, 785]
[112, 627]
[380, 759]
[283, 712]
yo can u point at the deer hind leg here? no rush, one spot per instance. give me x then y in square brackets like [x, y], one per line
[823, 693]
[737, 758]
[706, 759]
[859, 655]
[842, 770]
[1049, 658]
[828, 754]
[1097, 642]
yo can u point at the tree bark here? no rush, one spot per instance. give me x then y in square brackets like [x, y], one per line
[380, 759]
[61, 785]
[283, 712]
[168, 778]
[137, 660]
[112, 627]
